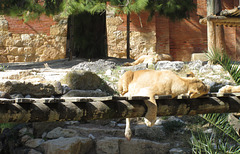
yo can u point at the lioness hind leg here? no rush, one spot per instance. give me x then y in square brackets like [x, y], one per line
[151, 115]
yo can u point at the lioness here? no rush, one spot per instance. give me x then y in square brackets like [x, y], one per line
[150, 83]
[229, 89]
[149, 59]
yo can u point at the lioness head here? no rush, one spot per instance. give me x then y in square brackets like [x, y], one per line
[197, 88]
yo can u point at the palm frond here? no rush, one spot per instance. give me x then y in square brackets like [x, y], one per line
[202, 143]
[211, 143]
[220, 121]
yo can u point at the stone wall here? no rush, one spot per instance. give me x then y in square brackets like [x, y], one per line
[35, 41]
[142, 36]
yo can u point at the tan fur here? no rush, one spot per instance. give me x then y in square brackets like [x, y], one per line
[150, 83]
[149, 59]
[229, 89]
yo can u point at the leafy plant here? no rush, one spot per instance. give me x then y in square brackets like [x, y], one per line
[220, 140]
[3, 68]
[211, 143]
[220, 121]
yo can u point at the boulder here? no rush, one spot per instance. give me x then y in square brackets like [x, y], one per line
[32, 151]
[61, 132]
[25, 130]
[195, 65]
[152, 133]
[25, 138]
[67, 145]
[142, 66]
[169, 65]
[26, 88]
[233, 119]
[33, 143]
[96, 131]
[100, 65]
[5, 95]
[85, 80]
[176, 151]
[40, 127]
[116, 145]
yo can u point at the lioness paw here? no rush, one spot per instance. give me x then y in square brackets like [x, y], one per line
[128, 134]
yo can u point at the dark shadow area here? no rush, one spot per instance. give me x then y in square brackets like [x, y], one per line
[87, 35]
[58, 64]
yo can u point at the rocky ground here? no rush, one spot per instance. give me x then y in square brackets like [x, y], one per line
[169, 135]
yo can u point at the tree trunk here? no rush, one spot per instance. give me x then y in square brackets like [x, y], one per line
[70, 36]
[128, 36]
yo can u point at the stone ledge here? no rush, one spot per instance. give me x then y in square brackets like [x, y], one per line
[199, 56]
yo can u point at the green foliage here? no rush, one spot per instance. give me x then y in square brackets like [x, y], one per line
[29, 9]
[220, 121]
[3, 68]
[220, 140]
[53, 6]
[26, 9]
[6, 125]
[222, 58]
[173, 9]
[213, 143]
[72, 7]
[128, 6]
